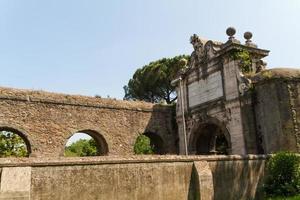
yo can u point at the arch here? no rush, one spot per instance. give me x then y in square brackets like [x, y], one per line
[101, 144]
[21, 134]
[210, 137]
[156, 142]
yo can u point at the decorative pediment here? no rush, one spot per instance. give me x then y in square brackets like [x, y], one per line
[203, 51]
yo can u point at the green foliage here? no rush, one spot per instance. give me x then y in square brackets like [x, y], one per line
[12, 145]
[245, 60]
[142, 145]
[283, 177]
[267, 74]
[285, 198]
[81, 148]
[152, 82]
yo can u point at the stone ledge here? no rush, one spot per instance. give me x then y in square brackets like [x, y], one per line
[35, 96]
[276, 74]
[40, 162]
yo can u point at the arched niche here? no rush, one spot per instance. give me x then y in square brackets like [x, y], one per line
[210, 138]
[90, 139]
[13, 143]
[156, 142]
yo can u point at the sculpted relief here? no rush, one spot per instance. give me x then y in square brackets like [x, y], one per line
[203, 51]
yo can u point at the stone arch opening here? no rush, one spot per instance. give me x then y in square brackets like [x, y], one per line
[210, 138]
[13, 143]
[156, 143]
[86, 143]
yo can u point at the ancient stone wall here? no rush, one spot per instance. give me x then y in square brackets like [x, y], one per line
[48, 120]
[277, 109]
[134, 178]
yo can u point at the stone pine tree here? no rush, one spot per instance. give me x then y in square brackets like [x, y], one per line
[152, 82]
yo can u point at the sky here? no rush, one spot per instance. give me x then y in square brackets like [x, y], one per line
[93, 47]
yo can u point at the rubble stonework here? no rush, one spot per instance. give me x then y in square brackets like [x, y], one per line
[232, 104]
[47, 120]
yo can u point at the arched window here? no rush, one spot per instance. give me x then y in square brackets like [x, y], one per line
[86, 143]
[13, 143]
[209, 139]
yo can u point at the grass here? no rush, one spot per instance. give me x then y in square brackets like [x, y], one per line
[285, 198]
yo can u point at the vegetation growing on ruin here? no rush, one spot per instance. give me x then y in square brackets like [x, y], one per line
[81, 148]
[152, 82]
[12, 145]
[285, 198]
[142, 145]
[245, 60]
[283, 178]
[266, 74]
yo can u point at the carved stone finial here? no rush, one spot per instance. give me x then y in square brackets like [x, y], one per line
[248, 36]
[195, 40]
[260, 66]
[198, 50]
[231, 32]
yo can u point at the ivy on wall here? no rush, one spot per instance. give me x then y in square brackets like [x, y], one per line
[245, 60]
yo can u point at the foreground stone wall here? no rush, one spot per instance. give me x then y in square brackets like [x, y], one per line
[133, 178]
[48, 120]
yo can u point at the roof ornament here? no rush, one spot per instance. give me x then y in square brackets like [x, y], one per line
[248, 35]
[196, 42]
[230, 31]
[198, 52]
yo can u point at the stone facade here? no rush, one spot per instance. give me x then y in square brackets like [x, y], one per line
[228, 107]
[47, 120]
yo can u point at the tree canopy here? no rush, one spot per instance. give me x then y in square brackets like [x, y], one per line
[81, 148]
[152, 82]
[12, 145]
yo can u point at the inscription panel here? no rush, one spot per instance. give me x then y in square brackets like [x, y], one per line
[205, 90]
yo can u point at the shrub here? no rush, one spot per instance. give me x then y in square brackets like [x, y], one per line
[142, 145]
[245, 60]
[283, 175]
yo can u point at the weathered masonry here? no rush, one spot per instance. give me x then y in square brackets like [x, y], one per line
[230, 104]
[46, 120]
[133, 178]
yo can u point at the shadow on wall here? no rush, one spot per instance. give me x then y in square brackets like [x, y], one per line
[209, 138]
[162, 130]
[244, 178]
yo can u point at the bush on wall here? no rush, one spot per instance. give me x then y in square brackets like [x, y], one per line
[142, 145]
[283, 175]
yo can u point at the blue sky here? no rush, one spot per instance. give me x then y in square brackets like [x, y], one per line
[93, 47]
